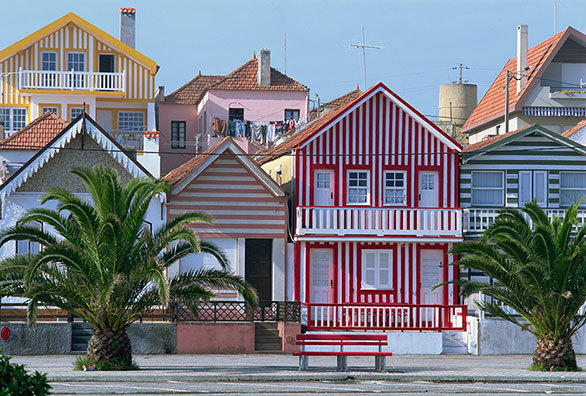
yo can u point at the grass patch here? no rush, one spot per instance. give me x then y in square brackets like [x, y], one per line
[109, 365]
[540, 367]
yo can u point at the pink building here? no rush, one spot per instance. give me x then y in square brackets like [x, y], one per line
[197, 115]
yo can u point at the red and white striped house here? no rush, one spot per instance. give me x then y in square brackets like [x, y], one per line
[249, 212]
[375, 188]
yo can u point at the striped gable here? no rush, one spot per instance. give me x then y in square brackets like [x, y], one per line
[237, 194]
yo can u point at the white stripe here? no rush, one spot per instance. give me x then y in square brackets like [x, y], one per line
[226, 178]
[229, 212]
[225, 195]
[360, 134]
[407, 280]
[354, 270]
[226, 186]
[339, 276]
[387, 131]
[226, 230]
[304, 264]
[400, 134]
[400, 263]
[347, 270]
[216, 203]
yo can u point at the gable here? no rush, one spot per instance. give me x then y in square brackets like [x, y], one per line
[55, 173]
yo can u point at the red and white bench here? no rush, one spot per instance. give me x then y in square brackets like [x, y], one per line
[342, 341]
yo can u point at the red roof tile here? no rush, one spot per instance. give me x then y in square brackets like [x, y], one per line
[336, 103]
[574, 129]
[243, 78]
[492, 105]
[127, 10]
[151, 134]
[35, 135]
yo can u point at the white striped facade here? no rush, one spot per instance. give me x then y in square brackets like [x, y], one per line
[239, 204]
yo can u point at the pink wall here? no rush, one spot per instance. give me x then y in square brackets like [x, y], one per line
[215, 337]
[258, 105]
[288, 331]
[176, 112]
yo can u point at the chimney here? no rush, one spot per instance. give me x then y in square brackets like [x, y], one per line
[263, 75]
[522, 49]
[127, 26]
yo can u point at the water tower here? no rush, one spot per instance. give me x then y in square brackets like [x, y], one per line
[457, 101]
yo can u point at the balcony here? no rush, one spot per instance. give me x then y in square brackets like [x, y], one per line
[477, 220]
[72, 81]
[409, 222]
[130, 140]
[401, 317]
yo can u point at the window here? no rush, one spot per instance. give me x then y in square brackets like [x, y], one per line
[76, 62]
[178, 135]
[131, 121]
[358, 187]
[292, 114]
[74, 112]
[394, 188]
[488, 188]
[235, 114]
[377, 267]
[572, 188]
[106, 63]
[323, 179]
[49, 61]
[28, 247]
[52, 109]
[13, 119]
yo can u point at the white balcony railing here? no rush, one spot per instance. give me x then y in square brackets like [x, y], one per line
[315, 220]
[72, 80]
[477, 220]
[132, 140]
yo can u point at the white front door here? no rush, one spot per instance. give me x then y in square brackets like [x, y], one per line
[324, 187]
[432, 268]
[428, 189]
[533, 185]
[321, 276]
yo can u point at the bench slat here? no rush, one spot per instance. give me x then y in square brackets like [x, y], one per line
[343, 353]
[343, 343]
[353, 337]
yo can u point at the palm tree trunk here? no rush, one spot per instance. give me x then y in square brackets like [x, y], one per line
[555, 354]
[108, 345]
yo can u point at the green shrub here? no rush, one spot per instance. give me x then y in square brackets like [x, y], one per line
[15, 381]
[107, 365]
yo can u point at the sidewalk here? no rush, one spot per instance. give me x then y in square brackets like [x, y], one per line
[272, 367]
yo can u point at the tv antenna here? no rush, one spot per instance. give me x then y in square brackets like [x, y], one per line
[364, 46]
[461, 67]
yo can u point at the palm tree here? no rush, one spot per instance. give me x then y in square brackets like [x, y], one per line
[102, 265]
[539, 268]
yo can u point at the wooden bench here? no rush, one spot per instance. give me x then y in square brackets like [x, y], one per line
[343, 340]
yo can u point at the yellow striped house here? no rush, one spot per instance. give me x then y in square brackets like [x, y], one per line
[69, 63]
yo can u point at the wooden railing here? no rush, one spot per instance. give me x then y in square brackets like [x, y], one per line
[72, 80]
[375, 316]
[477, 220]
[325, 220]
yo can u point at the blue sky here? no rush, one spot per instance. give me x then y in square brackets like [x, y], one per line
[422, 39]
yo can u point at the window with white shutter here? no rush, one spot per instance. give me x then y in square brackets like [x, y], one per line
[377, 269]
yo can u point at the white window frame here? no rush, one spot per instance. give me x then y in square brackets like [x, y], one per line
[182, 141]
[570, 189]
[29, 244]
[142, 127]
[76, 53]
[348, 187]
[9, 127]
[503, 189]
[404, 188]
[378, 285]
[71, 110]
[43, 53]
[44, 109]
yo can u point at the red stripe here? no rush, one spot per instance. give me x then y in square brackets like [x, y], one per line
[213, 235]
[222, 199]
[232, 226]
[297, 270]
[231, 207]
[228, 174]
[194, 189]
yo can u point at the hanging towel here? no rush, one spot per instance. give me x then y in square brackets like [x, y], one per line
[240, 128]
[255, 128]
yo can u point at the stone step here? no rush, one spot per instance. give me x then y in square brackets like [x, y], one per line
[273, 346]
[266, 339]
[82, 332]
[79, 339]
[265, 325]
[267, 332]
[79, 347]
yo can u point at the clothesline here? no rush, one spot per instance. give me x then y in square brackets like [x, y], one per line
[262, 132]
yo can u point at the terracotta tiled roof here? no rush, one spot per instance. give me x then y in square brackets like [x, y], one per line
[127, 10]
[574, 129]
[296, 136]
[35, 135]
[151, 134]
[192, 92]
[336, 103]
[492, 139]
[178, 174]
[492, 105]
[243, 78]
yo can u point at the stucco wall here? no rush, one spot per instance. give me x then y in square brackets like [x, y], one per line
[46, 339]
[286, 175]
[152, 338]
[171, 158]
[193, 337]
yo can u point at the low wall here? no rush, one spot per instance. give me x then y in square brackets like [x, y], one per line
[288, 332]
[152, 338]
[492, 336]
[220, 337]
[45, 339]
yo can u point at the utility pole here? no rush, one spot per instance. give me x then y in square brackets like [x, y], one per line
[363, 46]
[461, 67]
[555, 21]
[509, 77]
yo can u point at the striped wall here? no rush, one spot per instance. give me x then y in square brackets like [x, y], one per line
[140, 82]
[238, 202]
[534, 151]
[347, 272]
[378, 135]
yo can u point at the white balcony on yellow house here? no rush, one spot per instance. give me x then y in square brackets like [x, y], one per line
[316, 221]
[72, 80]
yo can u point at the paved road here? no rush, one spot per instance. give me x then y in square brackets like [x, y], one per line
[322, 387]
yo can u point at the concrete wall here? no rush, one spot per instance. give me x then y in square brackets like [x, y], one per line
[46, 339]
[492, 336]
[227, 337]
[288, 332]
[152, 338]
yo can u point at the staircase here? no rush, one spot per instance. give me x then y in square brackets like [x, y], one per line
[81, 333]
[454, 342]
[266, 337]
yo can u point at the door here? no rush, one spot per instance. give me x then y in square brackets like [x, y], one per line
[258, 266]
[432, 269]
[321, 276]
[106, 63]
[105, 119]
[428, 189]
[324, 188]
[533, 185]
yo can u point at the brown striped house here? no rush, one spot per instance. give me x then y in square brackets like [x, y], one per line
[249, 211]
